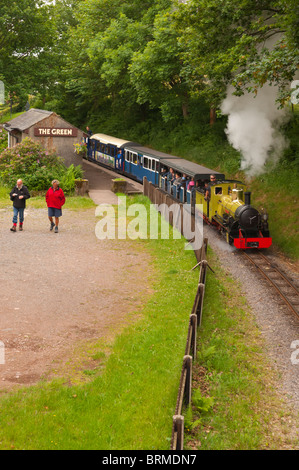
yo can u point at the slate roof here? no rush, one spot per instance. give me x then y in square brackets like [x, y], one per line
[27, 119]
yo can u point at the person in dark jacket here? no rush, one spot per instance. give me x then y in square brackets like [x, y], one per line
[19, 194]
[55, 200]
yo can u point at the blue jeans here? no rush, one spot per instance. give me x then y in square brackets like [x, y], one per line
[18, 212]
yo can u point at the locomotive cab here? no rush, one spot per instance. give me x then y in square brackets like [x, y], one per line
[230, 210]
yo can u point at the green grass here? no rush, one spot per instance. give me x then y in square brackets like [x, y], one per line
[233, 372]
[277, 190]
[75, 203]
[6, 117]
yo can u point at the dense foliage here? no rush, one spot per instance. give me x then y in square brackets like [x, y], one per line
[36, 167]
[137, 69]
[99, 56]
[3, 140]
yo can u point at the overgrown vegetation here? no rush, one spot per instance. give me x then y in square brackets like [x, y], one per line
[36, 167]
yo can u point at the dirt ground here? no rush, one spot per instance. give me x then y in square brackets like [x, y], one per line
[60, 290]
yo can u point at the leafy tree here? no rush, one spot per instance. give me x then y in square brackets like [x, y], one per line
[32, 46]
[157, 72]
[25, 33]
[107, 36]
[245, 43]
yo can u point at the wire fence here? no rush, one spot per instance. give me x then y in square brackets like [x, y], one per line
[160, 197]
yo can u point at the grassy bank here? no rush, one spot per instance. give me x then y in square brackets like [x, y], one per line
[236, 403]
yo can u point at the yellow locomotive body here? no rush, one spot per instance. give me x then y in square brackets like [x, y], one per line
[228, 208]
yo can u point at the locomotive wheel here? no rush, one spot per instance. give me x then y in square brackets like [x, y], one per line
[229, 239]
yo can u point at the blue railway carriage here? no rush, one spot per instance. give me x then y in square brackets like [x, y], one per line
[143, 162]
[107, 151]
[187, 178]
[173, 174]
[223, 207]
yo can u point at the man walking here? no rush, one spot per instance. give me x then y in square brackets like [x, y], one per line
[18, 195]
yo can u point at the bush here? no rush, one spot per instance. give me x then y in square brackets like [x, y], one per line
[3, 140]
[36, 167]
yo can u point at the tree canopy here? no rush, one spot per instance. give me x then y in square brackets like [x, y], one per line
[87, 56]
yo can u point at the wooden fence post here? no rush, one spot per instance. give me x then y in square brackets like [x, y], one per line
[193, 320]
[178, 424]
[188, 386]
[145, 186]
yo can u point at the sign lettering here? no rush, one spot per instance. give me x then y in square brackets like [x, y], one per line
[55, 132]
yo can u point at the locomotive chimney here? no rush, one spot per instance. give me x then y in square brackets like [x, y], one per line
[247, 198]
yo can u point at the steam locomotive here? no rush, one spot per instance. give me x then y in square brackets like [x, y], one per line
[227, 208]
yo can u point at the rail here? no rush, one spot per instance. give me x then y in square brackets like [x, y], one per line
[158, 196]
[277, 279]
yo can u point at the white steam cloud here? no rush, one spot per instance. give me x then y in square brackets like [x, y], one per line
[253, 123]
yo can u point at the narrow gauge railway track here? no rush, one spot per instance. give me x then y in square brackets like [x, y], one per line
[284, 286]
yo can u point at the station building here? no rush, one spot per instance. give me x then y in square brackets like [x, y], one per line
[48, 128]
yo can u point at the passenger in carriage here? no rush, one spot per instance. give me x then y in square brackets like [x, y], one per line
[119, 160]
[170, 175]
[208, 190]
[163, 171]
[191, 184]
[177, 179]
[183, 181]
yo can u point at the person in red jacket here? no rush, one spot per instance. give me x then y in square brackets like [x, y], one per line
[55, 200]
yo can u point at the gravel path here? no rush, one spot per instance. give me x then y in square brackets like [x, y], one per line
[278, 325]
[59, 290]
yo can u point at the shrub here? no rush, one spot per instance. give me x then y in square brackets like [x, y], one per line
[36, 167]
[3, 140]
